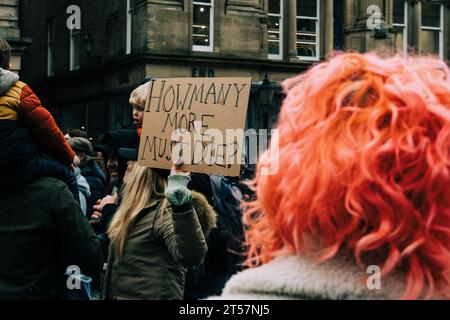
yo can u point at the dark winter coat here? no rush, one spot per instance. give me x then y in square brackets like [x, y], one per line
[225, 254]
[42, 232]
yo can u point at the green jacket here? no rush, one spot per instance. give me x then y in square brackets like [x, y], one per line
[158, 250]
[42, 232]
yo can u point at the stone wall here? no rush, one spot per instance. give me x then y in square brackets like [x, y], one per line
[10, 30]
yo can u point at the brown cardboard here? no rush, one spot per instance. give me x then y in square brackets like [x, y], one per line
[195, 106]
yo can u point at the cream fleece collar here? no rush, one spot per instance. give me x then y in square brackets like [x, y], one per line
[294, 277]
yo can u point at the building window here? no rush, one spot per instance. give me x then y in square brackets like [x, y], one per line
[400, 24]
[203, 25]
[339, 8]
[50, 46]
[275, 29]
[75, 43]
[432, 31]
[308, 36]
[129, 26]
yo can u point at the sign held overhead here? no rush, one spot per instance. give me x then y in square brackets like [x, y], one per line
[197, 121]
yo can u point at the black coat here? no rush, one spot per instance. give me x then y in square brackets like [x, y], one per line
[42, 232]
[17, 149]
[225, 251]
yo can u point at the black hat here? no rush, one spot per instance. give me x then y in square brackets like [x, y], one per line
[130, 154]
[112, 141]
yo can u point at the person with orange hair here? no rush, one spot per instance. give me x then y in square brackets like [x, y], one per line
[359, 208]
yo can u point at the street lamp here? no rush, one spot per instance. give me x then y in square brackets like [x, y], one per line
[266, 92]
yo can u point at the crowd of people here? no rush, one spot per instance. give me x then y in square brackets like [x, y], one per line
[364, 167]
[135, 232]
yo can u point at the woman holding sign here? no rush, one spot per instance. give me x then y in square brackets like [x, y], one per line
[158, 231]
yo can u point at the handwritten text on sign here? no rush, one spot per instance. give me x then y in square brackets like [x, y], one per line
[200, 120]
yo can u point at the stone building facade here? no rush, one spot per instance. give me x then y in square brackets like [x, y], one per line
[85, 76]
[10, 30]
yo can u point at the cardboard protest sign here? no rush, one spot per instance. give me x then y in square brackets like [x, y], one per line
[198, 120]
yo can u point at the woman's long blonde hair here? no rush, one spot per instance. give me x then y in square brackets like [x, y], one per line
[141, 186]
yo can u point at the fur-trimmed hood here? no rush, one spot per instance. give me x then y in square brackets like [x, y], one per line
[206, 214]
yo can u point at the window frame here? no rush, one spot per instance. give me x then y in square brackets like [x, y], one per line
[51, 31]
[209, 48]
[72, 34]
[129, 30]
[404, 26]
[318, 29]
[280, 17]
[440, 29]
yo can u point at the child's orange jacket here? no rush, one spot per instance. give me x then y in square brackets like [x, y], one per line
[20, 107]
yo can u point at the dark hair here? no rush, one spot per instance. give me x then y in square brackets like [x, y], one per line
[77, 133]
[5, 54]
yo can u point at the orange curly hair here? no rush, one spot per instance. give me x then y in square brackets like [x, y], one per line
[364, 158]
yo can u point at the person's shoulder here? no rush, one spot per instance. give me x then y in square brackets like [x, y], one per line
[21, 84]
[20, 95]
[14, 92]
[47, 184]
[28, 96]
[18, 87]
[46, 191]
